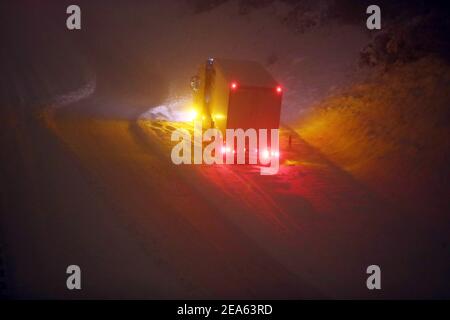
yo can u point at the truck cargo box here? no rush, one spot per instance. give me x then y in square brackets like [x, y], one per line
[236, 94]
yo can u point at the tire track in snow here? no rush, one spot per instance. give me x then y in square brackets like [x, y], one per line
[81, 93]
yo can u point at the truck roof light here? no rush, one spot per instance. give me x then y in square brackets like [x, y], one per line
[279, 89]
[234, 85]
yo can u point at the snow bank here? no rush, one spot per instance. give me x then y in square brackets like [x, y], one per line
[391, 132]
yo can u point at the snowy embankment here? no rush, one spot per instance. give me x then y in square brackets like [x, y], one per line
[392, 133]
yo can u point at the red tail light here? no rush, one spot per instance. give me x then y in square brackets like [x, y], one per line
[234, 85]
[279, 89]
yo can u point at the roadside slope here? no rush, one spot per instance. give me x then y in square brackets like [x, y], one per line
[391, 132]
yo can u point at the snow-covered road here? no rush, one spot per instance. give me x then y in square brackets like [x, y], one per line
[225, 231]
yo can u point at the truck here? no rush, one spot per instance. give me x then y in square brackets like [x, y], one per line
[236, 94]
